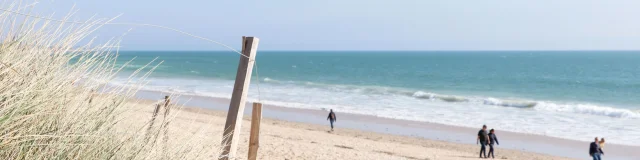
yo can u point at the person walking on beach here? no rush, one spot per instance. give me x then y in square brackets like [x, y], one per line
[601, 143]
[492, 139]
[483, 137]
[595, 151]
[332, 118]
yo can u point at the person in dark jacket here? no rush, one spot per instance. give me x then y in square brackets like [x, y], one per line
[595, 151]
[483, 138]
[332, 118]
[493, 139]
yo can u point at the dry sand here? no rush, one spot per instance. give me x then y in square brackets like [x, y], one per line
[292, 140]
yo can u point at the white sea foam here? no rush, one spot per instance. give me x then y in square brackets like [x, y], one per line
[579, 108]
[568, 107]
[587, 109]
[267, 79]
[137, 66]
[518, 115]
[510, 103]
[433, 96]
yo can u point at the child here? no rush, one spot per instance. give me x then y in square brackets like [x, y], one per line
[493, 139]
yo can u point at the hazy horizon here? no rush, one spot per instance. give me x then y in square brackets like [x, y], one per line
[393, 50]
[367, 24]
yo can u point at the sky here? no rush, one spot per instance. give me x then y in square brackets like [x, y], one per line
[367, 24]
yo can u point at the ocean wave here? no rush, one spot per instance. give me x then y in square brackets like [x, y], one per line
[587, 109]
[432, 96]
[267, 79]
[568, 107]
[135, 66]
[392, 93]
[275, 81]
[509, 103]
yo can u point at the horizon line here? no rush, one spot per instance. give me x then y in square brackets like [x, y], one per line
[394, 50]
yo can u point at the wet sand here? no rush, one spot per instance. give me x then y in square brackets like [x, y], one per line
[441, 141]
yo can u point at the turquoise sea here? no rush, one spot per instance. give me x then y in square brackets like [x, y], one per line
[566, 94]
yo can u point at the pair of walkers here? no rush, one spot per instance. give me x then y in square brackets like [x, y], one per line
[595, 149]
[485, 139]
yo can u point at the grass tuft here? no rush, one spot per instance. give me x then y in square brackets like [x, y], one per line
[56, 101]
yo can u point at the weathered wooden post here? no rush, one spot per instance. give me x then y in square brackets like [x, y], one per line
[238, 98]
[166, 105]
[91, 96]
[254, 137]
[165, 127]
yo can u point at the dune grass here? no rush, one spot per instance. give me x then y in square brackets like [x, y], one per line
[56, 101]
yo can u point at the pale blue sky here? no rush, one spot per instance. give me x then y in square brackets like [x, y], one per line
[371, 24]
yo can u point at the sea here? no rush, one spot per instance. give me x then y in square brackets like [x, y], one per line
[566, 94]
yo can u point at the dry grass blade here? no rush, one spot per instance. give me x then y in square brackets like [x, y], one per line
[56, 101]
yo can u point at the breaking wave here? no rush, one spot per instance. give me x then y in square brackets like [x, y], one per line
[579, 108]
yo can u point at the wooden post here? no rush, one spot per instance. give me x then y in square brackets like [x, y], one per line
[238, 98]
[254, 142]
[166, 105]
[91, 96]
[165, 136]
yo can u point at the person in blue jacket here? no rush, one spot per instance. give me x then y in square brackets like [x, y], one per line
[492, 139]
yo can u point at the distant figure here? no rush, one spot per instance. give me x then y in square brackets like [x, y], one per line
[595, 151]
[492, 139]
[602, 143]
[332, 118]
[483, 137]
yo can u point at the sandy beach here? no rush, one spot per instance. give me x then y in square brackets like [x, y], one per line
[294, 140]
[365, 129]
[412, 80]
[291, 133]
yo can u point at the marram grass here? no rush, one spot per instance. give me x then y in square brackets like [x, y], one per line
[55, 101]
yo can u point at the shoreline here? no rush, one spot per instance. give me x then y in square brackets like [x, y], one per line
[529, 143]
